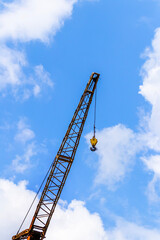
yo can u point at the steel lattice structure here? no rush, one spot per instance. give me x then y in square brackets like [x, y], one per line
[60, 167]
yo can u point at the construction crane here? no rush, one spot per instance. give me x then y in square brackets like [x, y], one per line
[60, 167]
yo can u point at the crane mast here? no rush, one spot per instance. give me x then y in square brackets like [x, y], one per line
[60, 167]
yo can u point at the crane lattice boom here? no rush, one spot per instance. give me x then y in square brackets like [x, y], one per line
[60, 167]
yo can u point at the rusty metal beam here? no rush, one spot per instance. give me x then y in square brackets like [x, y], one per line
[60, 167]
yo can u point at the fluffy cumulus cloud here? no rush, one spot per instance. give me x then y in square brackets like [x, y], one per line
[17, 25]
[116, 149]
[150, 89]
[15, 201]
[70, 221]
[76, 222]
[131, 231]
[16, 19]
[118, 145]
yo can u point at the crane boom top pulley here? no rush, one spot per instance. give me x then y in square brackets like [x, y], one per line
[60, 167]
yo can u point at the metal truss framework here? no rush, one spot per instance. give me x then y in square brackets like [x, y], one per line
[60, 167]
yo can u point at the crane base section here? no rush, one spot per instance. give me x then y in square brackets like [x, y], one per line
[27, 235]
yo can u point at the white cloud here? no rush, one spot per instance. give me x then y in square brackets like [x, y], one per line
[41, 80]
[153, 165]
[116, 148]
[150, 89]
[37, 83]
[17, 25]
[22, 162]
[149, 140]
[130, 231]
[26, 137]
[16, 20]
[36, 90]
[11, 64]
[12, 77]
[24, 133]
[15, 201]
[73, 221]
[77, 223]
[152, 193]
[118, 145]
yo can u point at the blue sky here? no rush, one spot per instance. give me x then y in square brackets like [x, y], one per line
[48, 50]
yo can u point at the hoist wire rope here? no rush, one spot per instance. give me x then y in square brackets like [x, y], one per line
[95, 109]
[34, 199]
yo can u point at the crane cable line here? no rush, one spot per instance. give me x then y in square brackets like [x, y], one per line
[95, 110]
[34, 199]
[94, 141]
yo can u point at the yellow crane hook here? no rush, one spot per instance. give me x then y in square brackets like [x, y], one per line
[93, 142]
